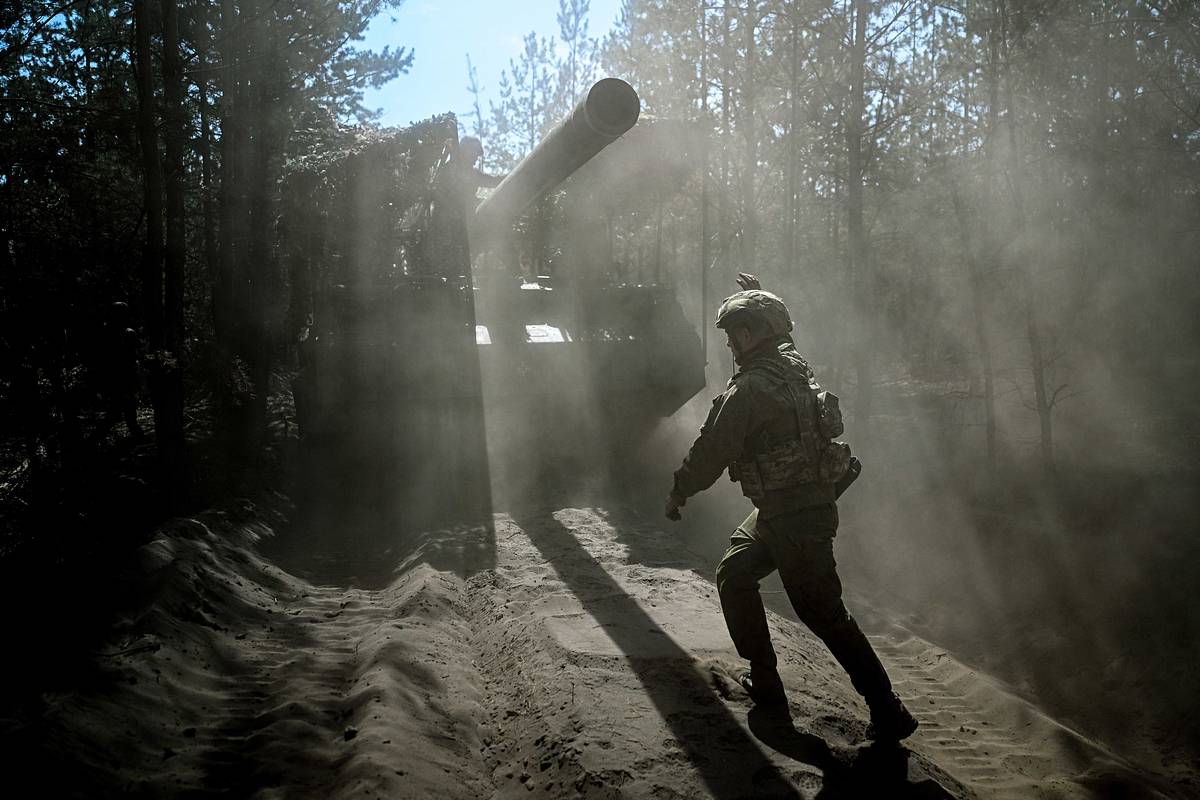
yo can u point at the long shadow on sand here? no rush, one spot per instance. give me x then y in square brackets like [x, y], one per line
[709, 728]
[880, 770]
[717, 745]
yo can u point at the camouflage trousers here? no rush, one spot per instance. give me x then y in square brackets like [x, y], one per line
[800, 546]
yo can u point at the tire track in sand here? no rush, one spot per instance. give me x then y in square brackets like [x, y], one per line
[994, 743]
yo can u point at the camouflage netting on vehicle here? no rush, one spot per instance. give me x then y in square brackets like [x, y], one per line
[378, 209]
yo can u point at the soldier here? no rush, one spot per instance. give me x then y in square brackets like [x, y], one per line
[773, 428]
[471, 150]
[468, 178]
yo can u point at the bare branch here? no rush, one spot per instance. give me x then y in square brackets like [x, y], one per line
[36, 28]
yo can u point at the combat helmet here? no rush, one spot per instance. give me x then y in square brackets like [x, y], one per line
[471, 145]
[755, 304]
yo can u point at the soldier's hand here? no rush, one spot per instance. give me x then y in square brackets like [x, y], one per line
[748, 281]
[674, 502]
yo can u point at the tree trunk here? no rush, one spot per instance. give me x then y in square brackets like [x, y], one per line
[725, 217]
[230, 204]
[792, 224]
[208, 210]
[304, 228]
[704, 252]
[839, 280]
[750, 157]
[174, 140]
[152, 254]
[1028, 298]
[855, 227]
[982, 340]
[234, 421]
[170, 368]
[260, 269]
[658, 240]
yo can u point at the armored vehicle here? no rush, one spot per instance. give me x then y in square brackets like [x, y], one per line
[436, 385]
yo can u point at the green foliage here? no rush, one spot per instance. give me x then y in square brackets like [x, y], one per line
[282, 78]
[523, 114]
[538, 89]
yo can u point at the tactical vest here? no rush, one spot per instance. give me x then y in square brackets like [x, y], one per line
[793, 450]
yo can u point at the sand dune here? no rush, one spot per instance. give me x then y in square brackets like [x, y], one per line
[584, 657]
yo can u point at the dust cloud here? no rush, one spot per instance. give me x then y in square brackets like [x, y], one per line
[1056, 551]
[1070, 578]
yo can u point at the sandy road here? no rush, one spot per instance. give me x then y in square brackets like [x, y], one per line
[584, 656]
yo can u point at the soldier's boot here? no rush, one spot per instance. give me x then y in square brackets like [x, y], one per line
[890, 720]
[764, 686]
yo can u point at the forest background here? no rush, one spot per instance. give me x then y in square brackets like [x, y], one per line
[984, 215]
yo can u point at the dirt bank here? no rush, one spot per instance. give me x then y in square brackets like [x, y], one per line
[585, 656]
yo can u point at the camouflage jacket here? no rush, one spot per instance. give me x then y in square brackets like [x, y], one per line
[752, 409]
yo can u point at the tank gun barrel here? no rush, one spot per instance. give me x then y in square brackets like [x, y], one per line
[610, 108]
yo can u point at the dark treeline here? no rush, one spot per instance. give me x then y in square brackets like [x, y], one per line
[143, 148]
[983, 194]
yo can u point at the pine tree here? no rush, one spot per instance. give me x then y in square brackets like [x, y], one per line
[524, 113]
[577, 67]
